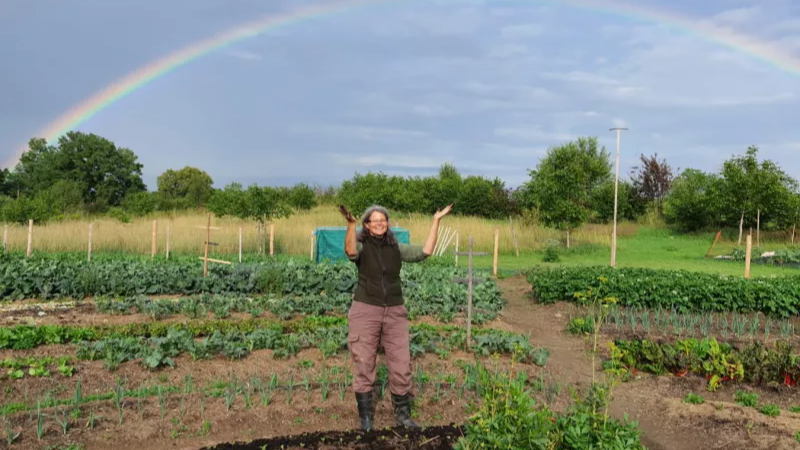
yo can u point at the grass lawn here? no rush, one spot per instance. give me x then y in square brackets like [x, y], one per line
[652, 248]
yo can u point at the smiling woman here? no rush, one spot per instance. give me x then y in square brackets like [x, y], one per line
[378, 316]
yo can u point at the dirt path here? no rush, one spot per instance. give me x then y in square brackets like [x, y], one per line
[654, 402]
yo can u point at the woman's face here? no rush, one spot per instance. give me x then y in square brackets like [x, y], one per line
[377, 224]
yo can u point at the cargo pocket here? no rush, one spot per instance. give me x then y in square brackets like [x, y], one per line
[352, 339]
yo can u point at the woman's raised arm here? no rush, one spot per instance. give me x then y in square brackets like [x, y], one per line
[433, 234]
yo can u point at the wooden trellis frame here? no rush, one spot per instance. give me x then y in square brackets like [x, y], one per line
[208, 242]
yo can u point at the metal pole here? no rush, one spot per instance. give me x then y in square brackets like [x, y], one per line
[616, 195]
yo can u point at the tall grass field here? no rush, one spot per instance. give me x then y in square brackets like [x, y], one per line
[291, 235]
[637, 245]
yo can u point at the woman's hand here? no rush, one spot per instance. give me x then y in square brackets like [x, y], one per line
[346, 214]
[439, 214]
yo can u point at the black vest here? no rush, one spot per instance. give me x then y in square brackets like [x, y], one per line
[379, 274]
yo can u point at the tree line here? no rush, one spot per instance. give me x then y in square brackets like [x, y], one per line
[85, 174]
[571, 185]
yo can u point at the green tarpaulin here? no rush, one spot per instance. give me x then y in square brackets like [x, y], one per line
[329, 242]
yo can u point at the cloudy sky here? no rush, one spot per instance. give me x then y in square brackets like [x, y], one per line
[404, 86]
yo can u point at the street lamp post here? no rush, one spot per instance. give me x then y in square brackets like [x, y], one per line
[616, 193]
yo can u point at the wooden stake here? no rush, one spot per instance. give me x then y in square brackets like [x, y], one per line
[514, 236]
[470, 281]
[240, 244]
[89, 256]
[311, 254]
[793, 227]
[469, 296]
[496, 249]
[260, 241]
[5, 238]
[448, 241]
[154, 244]
[456, 248]
[719, 234]
[29, 251]
[214, 260]
[208, 240]
[271, 240]
[167, 240]
[747, 256]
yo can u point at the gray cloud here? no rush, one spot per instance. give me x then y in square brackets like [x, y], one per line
[405, 87]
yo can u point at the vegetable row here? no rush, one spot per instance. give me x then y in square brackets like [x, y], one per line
[719, 362]
[157, 344]
[670, 289]
[427, 287]
[287, 307]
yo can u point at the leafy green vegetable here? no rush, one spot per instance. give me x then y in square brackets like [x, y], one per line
[673, 289]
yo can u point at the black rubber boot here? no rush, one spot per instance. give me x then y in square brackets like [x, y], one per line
[402, 411]
[365, 411]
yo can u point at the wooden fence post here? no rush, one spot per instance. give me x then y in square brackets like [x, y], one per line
[240, 243]
[514, 236]
[271, 240]
[456, 248]
[167, 240]
[153, 245]
[30, 238]
[747, 255]
[496, 248]
[470, 281]
[208, 242]
[89, 257]
[311, 254]
[260, 241]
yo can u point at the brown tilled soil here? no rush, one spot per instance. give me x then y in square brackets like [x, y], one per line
[194, 421]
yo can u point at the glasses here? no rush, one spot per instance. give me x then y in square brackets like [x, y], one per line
[382, 221]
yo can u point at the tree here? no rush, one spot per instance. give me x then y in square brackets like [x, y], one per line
[447, 190]
[364, 190]
[476, 197]
[562, 184]
[694, 200]
[140, 203]
[189, 184]
[6, 186]
[64, 197]
[229, 201]
[106, 173]
[258, 203]
[629, 205]
[752, 189]
[300, 197]
[652, 180]
[37, 168]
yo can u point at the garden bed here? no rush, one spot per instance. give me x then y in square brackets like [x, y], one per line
[431, 438]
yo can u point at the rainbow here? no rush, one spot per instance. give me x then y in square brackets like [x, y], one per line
[101, 100]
